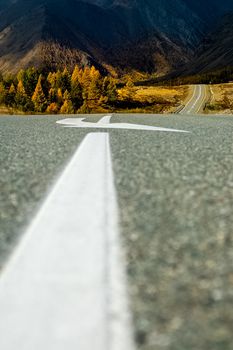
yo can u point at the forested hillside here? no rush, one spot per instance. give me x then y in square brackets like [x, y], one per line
[82, 90]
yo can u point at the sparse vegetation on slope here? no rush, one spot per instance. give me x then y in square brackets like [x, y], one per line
[144, 36]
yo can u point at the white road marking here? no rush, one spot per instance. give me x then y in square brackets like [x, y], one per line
[184, 110]
[193, 106]
[204, 98]
[64, 288]
[105, 120]
[198, 94]
[191, 100]
[104, 123]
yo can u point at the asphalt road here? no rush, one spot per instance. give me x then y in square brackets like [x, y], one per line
[175, 197]
[196, 101]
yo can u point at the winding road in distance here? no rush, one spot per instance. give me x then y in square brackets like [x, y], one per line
[196, 101]
[119, 231]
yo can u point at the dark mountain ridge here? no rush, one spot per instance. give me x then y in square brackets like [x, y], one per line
[216, 50]
[148, 35]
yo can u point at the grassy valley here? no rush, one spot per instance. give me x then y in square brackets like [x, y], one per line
[221, 101]
[154, 99]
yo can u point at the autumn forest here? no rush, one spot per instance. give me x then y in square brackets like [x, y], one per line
[80, 91]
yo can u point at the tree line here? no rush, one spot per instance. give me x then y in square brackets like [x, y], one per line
[218, 76]
[83, 90]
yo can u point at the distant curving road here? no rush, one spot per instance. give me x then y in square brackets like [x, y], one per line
[197, 100]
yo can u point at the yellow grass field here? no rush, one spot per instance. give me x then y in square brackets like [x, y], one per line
[155, 99]
[221, 101]
[165, 92]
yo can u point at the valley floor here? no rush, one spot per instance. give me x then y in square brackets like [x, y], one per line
[221, 100]
[213, 99]
[138, 99]
[155, 99]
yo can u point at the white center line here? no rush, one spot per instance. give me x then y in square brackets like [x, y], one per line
[64, 288]
[192, 101]
[187, 106]
[199, 96]
[190, 104]
[199, 89]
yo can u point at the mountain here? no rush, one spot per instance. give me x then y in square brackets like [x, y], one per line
[142, 35]
[216, 50]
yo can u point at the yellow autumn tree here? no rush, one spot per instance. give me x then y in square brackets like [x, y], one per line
[94, 88]
[76, 88]
[52, 108]
[128, 92]
[52, 80]
[85, 79]
[10, 96]
[38, 98]
[12, 89]
[76, 76]
[67, 107]
[59, 96]
[20, 88]
[21, 97]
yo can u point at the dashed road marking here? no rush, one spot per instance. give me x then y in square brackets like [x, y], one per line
[199, 96]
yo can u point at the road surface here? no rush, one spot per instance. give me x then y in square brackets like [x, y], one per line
[196, 101]
[168, 190]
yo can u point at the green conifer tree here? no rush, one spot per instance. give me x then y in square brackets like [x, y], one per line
[3, 93]
[110, 89]
[65, 80]
[84, 108]
[76, 88]
[52, 96]
[10, 96]
[66, 95]
[30, 78]
[20, 75]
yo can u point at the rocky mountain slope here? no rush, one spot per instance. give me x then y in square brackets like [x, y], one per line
[216, 50]
[142, 35]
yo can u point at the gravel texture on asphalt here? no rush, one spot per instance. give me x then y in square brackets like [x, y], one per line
[175, 194]
[33, 151]
[176, 200]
